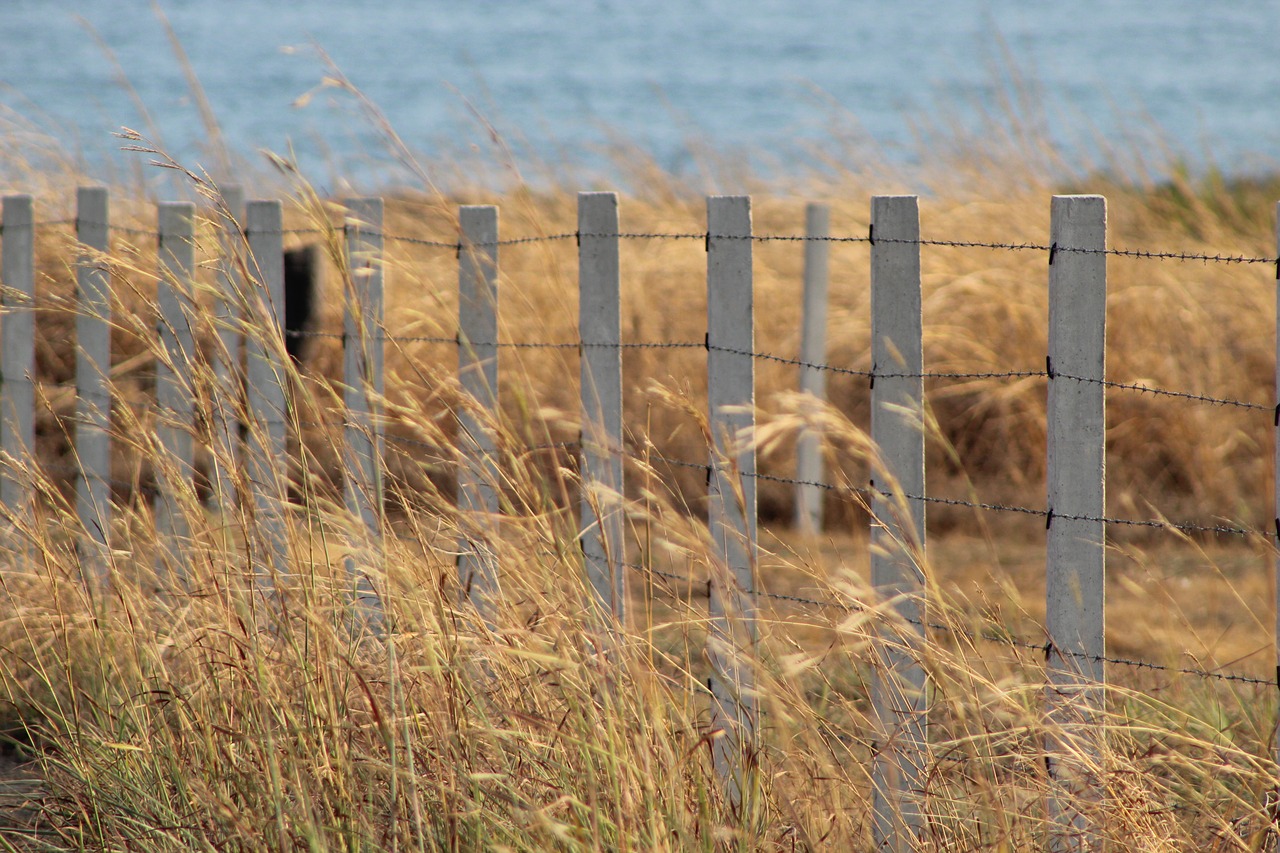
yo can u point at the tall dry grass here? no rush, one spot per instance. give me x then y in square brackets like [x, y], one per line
[223, 716]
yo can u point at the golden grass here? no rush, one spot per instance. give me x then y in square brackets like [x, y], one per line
[228, 718]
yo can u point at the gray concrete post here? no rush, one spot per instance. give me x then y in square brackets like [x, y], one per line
[363, 390]
[17, 352]
[1276, 484]
[600, 330]
[228, 363]
[813, 351]
[175, 394]
[93, 390]
[732, 636]
[266, 384]
[478, 376]
[898, 522]
[1075, 567]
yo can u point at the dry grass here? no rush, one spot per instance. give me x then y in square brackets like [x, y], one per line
[228, 718]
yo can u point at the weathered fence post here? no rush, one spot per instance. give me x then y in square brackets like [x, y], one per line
[898, 519]
[17, 353]
[1276, 494]
[478, 416]
[362, 369]
[265, 380]
[732, 637]
[813, 352]
[93, 391]
[175, 390]
[600, 331]
[1075, 570]
[226, 406]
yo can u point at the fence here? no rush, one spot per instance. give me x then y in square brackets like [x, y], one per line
[250, 295]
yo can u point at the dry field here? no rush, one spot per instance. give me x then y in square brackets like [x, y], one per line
[144, 717]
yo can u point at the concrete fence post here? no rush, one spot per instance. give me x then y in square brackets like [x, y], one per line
[600, 331]
[227, 404]
[175, 391]
[266, 384]
[813, 380]
[93, 390]
[1075, 566]
[1276, 488]
[478, 414]
[732, 636]
[898, 520]
[17, 353]
[363, 392]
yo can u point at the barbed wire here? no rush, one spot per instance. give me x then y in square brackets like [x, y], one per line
[872, 491]
[1048, 515]
[1162, 392]
[417, 241]
[460, 245]
[796, 362]
[1007, 638]
[412, 442]
[154, 489]
[867, 492]
[1003, 638]
[705, 236]
[864, 492]
[851, 491]
[1148, 254]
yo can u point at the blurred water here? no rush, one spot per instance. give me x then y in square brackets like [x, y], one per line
[557, 78]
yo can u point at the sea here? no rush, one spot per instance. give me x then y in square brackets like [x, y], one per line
[360, 94]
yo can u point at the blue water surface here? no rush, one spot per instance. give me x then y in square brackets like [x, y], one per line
[555, 80]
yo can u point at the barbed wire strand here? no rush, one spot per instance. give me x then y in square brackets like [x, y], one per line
[151, 490]
[871, 491]
[1184, 527]
[1006, 639]
[796, 362]
[865, 492]
[458, 245]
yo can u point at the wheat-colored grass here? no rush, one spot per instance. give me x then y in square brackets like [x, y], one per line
[219, 717]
